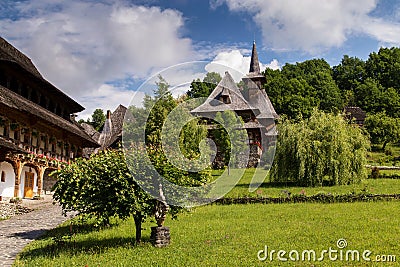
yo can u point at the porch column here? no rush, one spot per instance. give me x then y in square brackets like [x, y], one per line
[17, 165]
[40, 174]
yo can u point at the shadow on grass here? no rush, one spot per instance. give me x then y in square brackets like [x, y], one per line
[72, 247]
[61, 241]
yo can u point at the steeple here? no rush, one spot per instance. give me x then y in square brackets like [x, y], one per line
[254, 63]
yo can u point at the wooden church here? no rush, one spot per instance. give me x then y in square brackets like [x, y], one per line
[251, 103]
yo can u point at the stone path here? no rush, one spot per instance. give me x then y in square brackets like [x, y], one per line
[18, 231]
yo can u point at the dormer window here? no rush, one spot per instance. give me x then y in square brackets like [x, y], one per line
[225, 96]
[225, 99]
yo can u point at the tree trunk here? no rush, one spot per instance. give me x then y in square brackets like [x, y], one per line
[138, 226]
[384, 145]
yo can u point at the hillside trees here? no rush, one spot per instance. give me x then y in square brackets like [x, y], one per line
[298, 88]
[374, 84]
[204, 88]
[383, 129]
[348, 75]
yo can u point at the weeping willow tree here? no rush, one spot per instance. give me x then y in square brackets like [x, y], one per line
[323, 149]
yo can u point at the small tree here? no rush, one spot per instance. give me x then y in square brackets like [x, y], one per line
[322, 148]
[97, 120]
[383, 129]
[102, 187]
[238, 138]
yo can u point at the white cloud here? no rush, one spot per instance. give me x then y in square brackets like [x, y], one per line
[274, 65]
[108, 97]
[387, 33]
[311, 25]
[236, 63]
[179, 77]
[80, 45]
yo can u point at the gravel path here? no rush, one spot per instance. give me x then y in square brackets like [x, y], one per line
[18, 231]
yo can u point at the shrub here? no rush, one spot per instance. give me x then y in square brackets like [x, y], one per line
[321, 149]
[375, 173]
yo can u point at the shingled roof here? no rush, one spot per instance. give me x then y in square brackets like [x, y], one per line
[10, 147]
[264, 105]
[11, 55]
[226, 87]
[258, 102]
[112, 129]
[355, 113]
[14, 101]
[90, 130]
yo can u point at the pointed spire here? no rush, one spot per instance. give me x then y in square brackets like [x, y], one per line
[107, 128]
[254, 63]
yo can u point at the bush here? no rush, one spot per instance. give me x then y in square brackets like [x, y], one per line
[389, 152]
[375, 173]
[321, 149]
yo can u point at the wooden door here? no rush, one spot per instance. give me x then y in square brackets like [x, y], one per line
[28, 186]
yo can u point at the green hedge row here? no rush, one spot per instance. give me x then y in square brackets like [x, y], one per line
[387, 176]
[318, 198]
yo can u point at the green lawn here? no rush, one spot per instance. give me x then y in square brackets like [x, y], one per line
[231, 236]
[384, 158]
[267, 189]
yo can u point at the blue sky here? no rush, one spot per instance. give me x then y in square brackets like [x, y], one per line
[100, 52]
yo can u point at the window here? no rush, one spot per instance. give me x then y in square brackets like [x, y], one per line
[14, 85]
[3, 176]
[225, 99]
[24, 91]
[3, 79]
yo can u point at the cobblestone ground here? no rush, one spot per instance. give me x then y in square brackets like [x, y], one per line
[18, 231]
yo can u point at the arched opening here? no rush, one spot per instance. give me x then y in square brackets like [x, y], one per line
[7, 182]
[28, 187]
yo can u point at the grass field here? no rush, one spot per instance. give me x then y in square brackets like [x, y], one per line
[389, 157]
[232, 236]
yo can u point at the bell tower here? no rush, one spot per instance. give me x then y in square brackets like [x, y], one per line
[254, 80]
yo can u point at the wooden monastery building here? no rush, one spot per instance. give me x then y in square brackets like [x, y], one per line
[38, 132]
[251, 103]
